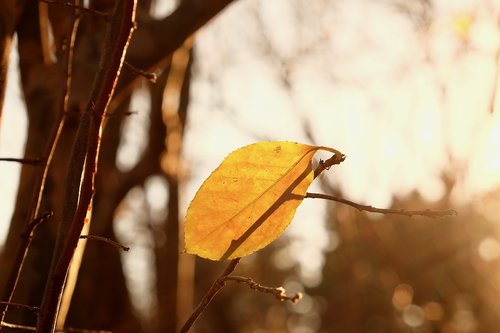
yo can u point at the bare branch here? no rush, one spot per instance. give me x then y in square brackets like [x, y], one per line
[84, 158]
[371, 209]
[17, 327]
[19, 261]
[28, 232]
[214, 289]
[106, 240]
[28, 161]
[41, 177]
[152, 77]
[21, 306]
[278, 292]
[167, 35]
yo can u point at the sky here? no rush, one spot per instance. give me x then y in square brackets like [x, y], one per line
[407, 102]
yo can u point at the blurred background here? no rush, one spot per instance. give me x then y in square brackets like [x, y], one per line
[408, 90]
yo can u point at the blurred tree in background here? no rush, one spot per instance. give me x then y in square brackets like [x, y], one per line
[367, 273]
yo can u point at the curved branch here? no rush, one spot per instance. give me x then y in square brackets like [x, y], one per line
[278, 292]
[371, 209]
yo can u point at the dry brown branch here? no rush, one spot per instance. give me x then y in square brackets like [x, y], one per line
[278, 292]
[106, 240]
[26, 237]
[167, 35]
[371, 209]
[214, 289]
[21, 306]
[17, 327]
[83, 161]
[152, 77]
[28, 233]
[27, 161]
[41, 176]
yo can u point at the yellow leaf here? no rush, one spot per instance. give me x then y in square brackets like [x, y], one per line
[462, 24]
[249, 200]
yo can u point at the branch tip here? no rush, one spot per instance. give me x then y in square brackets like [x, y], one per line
[27, 161]
[106, 240]
[21, 306]
[278, 292]
[327, 164]
[152, 77]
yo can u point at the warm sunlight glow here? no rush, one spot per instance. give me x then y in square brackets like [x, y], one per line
[12, 140]
[489, 249]
[408, 90]
[402, 297]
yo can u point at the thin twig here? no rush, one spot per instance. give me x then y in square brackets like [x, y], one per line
[91, 11]
[28, 161]
[371, 209]
[214, 289]
[278, 292]
[41, 177]
[152, 77]
[28, 232]
[17, 327]
[106, 240]
[65, 330]
[21, 306]
[26, 237]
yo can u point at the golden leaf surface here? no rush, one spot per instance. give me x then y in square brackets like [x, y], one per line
[249, 200]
